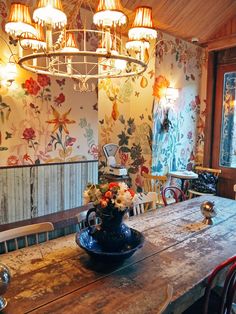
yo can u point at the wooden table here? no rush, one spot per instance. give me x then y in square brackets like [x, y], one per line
[58, 277]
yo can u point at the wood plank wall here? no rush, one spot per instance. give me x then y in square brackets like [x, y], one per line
[28, 192]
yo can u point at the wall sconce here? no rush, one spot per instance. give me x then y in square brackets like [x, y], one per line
[8, 71]
[171, 95]
[8, 74]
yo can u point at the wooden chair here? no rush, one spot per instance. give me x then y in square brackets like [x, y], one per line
[144, 202]
[198, 170]
[153, 183]
[178, 194]
[24, 232]
[218, 299]
[226, 297]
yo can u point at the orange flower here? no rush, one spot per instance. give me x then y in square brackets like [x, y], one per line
[60, 121]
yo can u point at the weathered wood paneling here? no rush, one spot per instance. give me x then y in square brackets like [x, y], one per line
[27, 192]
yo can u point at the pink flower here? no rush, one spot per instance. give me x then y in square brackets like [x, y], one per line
[29, 134]
[32, 86]
[94, 151]
[43, 80]
[12, 161]
[70, 141]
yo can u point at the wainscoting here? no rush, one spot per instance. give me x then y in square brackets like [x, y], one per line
[28, 192]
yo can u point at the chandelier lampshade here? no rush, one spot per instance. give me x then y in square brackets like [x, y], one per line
[70, 43]
[137, 44]
[45, 50]
[50, 12]
[37, 42]
[109, 13]
[19, 20]
[142, 27]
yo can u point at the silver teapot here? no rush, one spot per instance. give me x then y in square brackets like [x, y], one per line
[208, 210]
[5, 278]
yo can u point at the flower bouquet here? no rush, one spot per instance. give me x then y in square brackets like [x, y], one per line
[110, 197]
[111, 202]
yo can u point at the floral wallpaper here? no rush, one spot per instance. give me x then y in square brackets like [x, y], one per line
[125, 118]
[178, 64]
[131, 112]
[42, 118]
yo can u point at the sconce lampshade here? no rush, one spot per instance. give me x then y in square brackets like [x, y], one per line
[109, 13]
[70, 43]
[50, 12]
[37, 42]
[142, 27]
[19, 20]
[172, 93]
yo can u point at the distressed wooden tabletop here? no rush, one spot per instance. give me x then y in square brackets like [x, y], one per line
[59, 277]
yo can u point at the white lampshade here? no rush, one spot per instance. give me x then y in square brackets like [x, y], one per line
[35, 42]
[19, 20]
[109, 13]
[137, 44]
[50, 12]
[142, 27]
[70, 43]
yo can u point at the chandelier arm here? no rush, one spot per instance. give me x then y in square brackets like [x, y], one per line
[11, 51]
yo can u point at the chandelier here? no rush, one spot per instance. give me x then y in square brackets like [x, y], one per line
[49, 46]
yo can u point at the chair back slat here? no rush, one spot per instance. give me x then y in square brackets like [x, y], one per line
[24, 232]
[144, 202]
[154, 183]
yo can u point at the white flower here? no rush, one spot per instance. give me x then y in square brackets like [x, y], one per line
[123, 186]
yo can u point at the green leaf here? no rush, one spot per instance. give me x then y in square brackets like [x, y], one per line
[125, 149]
[124, 139]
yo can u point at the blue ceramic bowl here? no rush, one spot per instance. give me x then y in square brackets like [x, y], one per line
[92, 247]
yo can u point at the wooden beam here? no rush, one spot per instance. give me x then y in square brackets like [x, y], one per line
[222, 43]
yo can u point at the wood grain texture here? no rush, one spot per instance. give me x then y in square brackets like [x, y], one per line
[27, 192]
[58, 277]
[187, 19]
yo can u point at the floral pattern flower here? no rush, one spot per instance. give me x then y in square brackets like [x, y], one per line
[60, 121]
[43, 80]
[12, 160]
[31, 86]
[29, 134]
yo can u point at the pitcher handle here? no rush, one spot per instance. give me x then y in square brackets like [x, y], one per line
[90, 211]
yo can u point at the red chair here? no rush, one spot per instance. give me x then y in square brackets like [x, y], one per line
[177, 193]
[220, 301]
[227, 294]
